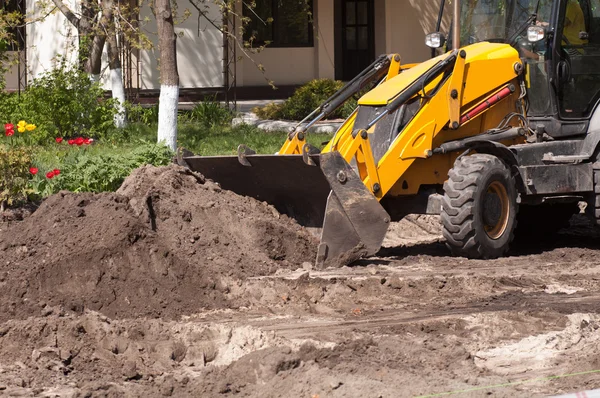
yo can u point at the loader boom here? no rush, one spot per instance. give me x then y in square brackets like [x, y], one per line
[445, 90]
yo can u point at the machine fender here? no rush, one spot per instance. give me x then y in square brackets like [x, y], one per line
[502, 152]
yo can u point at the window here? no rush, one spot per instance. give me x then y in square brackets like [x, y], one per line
[279, 23]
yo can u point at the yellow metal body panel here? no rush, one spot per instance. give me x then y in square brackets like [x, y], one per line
[455, 92]
[292, 146]
[434, 170]
[408, 163]
[386, 92]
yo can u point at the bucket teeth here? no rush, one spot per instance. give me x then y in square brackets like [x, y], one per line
[355, 224]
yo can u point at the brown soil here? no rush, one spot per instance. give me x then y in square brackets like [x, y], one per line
[173, 287]
[161, 246]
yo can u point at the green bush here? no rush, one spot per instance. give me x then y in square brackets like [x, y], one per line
[98, 172]
[9, 107]
[14, 175]
[62, 103]
[305, 99]
[210, 114]
[137, 113]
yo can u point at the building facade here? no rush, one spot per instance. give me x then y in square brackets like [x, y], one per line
[334, 39]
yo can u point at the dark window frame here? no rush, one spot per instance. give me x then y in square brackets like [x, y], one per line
[18, 41]
[274, 43]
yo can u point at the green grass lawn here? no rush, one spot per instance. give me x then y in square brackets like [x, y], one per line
[220, 140]
[103, 165]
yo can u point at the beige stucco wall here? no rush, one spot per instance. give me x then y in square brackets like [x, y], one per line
[283, 66]
[293, 66]
[199, 49]
[48, 37]
[11, 77]
[407, 22]
[324, 38]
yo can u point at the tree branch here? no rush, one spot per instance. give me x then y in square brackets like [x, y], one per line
[70, 15]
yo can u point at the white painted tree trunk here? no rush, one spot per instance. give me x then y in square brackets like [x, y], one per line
[169, 77]
[167, 116]
[118, 93]
[94, 78]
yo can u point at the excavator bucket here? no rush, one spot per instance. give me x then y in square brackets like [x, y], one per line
[323, 192]
[287, 182]
[355, 223]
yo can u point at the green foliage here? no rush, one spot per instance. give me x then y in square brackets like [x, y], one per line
[137, 113]
[270, 111]
[9, 107]
[222, 140]
[85, 171]
[305, 100]
[62, 103]
[208, 114]
[15, 175]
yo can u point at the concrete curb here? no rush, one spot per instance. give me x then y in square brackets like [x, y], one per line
[327, 127]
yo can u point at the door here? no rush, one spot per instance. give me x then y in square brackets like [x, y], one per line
[578, 66]
[357, 37]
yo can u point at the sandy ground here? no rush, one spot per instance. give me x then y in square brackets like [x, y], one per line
[248, 316]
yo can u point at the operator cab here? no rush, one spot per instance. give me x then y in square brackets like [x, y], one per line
[559, 42]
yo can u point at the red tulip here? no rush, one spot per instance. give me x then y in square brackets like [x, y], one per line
[86, 141]
[59, 140]
[50, 175]
[9, 126]
[10, 133]
[33, 170]
[56, 172]
[79, 141]
[71, 142]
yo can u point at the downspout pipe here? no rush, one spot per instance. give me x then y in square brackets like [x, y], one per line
[456, 25]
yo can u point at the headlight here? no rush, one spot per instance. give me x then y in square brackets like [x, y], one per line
[435, 40]
[535, 33]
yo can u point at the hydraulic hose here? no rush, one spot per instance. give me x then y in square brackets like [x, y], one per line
[458, 145]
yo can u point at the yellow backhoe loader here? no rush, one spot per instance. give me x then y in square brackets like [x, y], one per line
[501, 126]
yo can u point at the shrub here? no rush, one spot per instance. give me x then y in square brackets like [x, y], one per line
[14, 171]
[9, 107]
[270, 111]
[305, 99]
[84, 171]
[65, 102]
[137, 113]
[210, 114]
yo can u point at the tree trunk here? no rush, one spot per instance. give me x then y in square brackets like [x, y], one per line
[169, 77]
[91, 43]
[114, 62]
[116, 81]
[93, 65]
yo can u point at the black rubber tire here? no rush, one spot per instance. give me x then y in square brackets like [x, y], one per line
[596, 194]
[543, 221]
[462, 216]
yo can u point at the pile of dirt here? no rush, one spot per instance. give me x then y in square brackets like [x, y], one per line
[167, 243]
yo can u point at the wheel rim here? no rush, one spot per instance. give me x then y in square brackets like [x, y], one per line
[495, 210]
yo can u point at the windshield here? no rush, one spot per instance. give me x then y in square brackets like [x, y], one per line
[498, 20]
